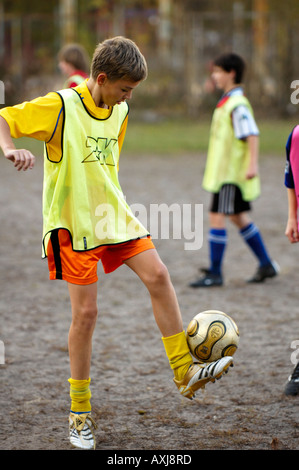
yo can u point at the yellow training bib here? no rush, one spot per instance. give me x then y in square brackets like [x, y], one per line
[81, 191]
[228, 157]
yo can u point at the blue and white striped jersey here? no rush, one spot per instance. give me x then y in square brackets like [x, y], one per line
[243, 121]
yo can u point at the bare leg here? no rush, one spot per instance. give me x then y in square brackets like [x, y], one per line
[84, 316]
[241, 220]
[154, 274]
[216, 220]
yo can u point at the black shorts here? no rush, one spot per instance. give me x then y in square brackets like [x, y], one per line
[229, 201]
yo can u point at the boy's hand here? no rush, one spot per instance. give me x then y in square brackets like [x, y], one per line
[252, 171]
[253, 144]
[291, 231]
[22, 158]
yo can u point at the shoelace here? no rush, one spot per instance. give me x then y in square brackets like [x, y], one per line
[79, 423]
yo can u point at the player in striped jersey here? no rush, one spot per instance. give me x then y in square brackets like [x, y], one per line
[231, 173]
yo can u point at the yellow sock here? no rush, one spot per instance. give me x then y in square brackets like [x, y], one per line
[178, 353]
[80, 395]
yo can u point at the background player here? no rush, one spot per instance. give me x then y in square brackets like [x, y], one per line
[231, 173]
[74, 63]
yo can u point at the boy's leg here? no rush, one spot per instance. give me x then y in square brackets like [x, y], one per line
[217, 243]
[84, 315]
[154, 274]
[253, 238]
[188, 377]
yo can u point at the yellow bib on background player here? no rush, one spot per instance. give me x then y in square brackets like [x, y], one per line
[228, 157]
[81, 191]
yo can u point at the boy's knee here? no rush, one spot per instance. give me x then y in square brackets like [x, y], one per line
[85, 317]
[158, 276]
[240, 220]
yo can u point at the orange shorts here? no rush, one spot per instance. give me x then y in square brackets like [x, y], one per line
[80, 267]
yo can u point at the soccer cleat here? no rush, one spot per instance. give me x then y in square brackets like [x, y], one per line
[292, 386]
[80, 431]
[198, 375]
[264, 272]
[208, 280]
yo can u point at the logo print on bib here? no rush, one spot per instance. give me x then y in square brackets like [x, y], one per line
[101, 150]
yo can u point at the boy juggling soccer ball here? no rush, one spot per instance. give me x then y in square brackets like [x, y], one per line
[83, 129]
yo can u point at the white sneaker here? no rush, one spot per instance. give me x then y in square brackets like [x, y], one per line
[80, 431]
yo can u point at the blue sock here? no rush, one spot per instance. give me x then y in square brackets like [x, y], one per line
[253, 238]
[218, 240]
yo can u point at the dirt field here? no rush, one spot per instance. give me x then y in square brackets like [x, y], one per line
[135, 403]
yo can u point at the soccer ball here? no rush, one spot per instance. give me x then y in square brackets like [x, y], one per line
[211, 335]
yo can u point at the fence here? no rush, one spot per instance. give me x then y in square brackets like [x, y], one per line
[179, 59]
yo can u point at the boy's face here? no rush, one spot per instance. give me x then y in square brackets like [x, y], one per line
[222, 79]
[114, 92]
[66, 68]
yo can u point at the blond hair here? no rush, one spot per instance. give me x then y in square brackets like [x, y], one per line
[119, 58]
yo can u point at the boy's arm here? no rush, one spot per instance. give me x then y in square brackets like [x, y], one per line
[22, 158]
[292, 224]
[253, 144]
[122, 134]
[245, 129]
